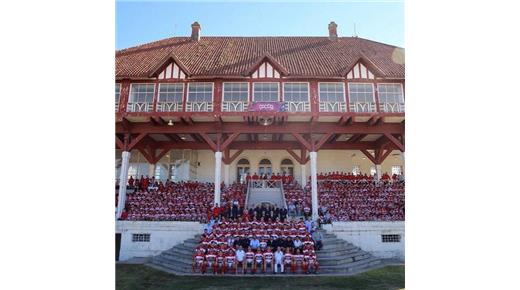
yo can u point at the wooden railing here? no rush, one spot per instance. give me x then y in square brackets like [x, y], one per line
[169, 106]
[362, 107]
[333, 107]
[297, 106]
[199, 106]
[139, 107]
[391, 107]
[234, 106]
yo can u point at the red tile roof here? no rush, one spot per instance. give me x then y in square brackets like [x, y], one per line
[234, 56]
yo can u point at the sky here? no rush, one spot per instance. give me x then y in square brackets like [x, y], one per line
[139, 22]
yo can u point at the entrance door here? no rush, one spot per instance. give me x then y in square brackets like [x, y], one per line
[265, 167]
[118, 245]
[242, 170]
[287, 167]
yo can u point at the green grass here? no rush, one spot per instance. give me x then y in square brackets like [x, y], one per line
[137, 277]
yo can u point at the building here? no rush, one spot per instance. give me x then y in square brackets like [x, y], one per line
[213, 108]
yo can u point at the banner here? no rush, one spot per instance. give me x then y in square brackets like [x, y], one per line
[267, 107]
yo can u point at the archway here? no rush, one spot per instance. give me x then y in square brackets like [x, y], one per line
[243, 167]
[287, 167]
[265, 167]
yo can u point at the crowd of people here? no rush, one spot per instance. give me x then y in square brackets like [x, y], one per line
[179, 201]
[361, 201]
[285, 178]
[336, 175]
[254, 246]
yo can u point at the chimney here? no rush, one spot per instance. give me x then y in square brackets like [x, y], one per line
[333, 33]
[195, 31]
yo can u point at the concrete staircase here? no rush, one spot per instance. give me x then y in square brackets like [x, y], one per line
[178, 259]
[341, 257]
[271, 195]
[337, 257]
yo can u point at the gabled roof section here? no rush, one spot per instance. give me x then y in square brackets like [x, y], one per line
[234, 57]
[170, 66]
[363, 68]
[265, 62]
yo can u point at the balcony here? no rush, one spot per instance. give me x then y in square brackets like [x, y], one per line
[297, 106]
[169, 106]
[199, 106]
[363, 107]
[391, 107]
[234, 106]
[333, 107]
[140, 107]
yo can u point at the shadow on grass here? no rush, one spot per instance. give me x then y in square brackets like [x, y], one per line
[136, 277]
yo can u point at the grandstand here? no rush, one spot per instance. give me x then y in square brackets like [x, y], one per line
[228, 148]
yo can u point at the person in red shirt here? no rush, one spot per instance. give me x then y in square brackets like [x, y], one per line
[216, 210]
[255, 177]
[131, 181]
[248, 177]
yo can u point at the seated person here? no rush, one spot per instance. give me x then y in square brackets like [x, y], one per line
[250, 257]
[240, 256]
[268, 259]
[259, 261]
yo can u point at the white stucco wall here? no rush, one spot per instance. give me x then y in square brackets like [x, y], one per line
[367, 236]
[163, 236]
[328, 160]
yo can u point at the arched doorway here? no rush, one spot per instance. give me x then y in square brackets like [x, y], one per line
[242, 169]
[265, 167]
[287, 167]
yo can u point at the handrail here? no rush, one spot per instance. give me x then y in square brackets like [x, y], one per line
[265, 183]
[283, 196]
[247, 194]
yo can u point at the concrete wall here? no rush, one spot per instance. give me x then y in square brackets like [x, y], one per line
[163, 236]
[367, 236]
[328, 160]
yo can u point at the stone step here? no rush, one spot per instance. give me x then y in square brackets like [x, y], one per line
[351, 267]
[179, 256]
[175, 260]
[336, 248]
[345, 260]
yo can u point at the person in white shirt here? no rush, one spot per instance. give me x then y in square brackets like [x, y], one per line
[278, 260]
[240, 254]
[297, 243]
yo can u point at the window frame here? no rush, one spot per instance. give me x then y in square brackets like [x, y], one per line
[361, 83]
[248, 91]
[277, 90]
[342, 91]
[118, 93]
[141, 237]
[390, 238]
[308, 91]
[176, 83]
[212, 91]
[130, 92]
[378, 91]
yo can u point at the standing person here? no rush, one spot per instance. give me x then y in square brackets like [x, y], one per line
[240, 255]
[317, 237]
[278, 260]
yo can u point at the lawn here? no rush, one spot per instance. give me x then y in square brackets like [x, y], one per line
[137, 277]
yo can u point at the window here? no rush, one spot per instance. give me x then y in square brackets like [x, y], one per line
[142, 93]
[140, 238]
[390, 93]
[200, 92]
[373, 170]
[356, 170]
[396, 170]
[265, 92]
[391, 238]
[170, 93]
[118, 92]
[361, 93]
[236, 92]
[296, 92]
[331, 92]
